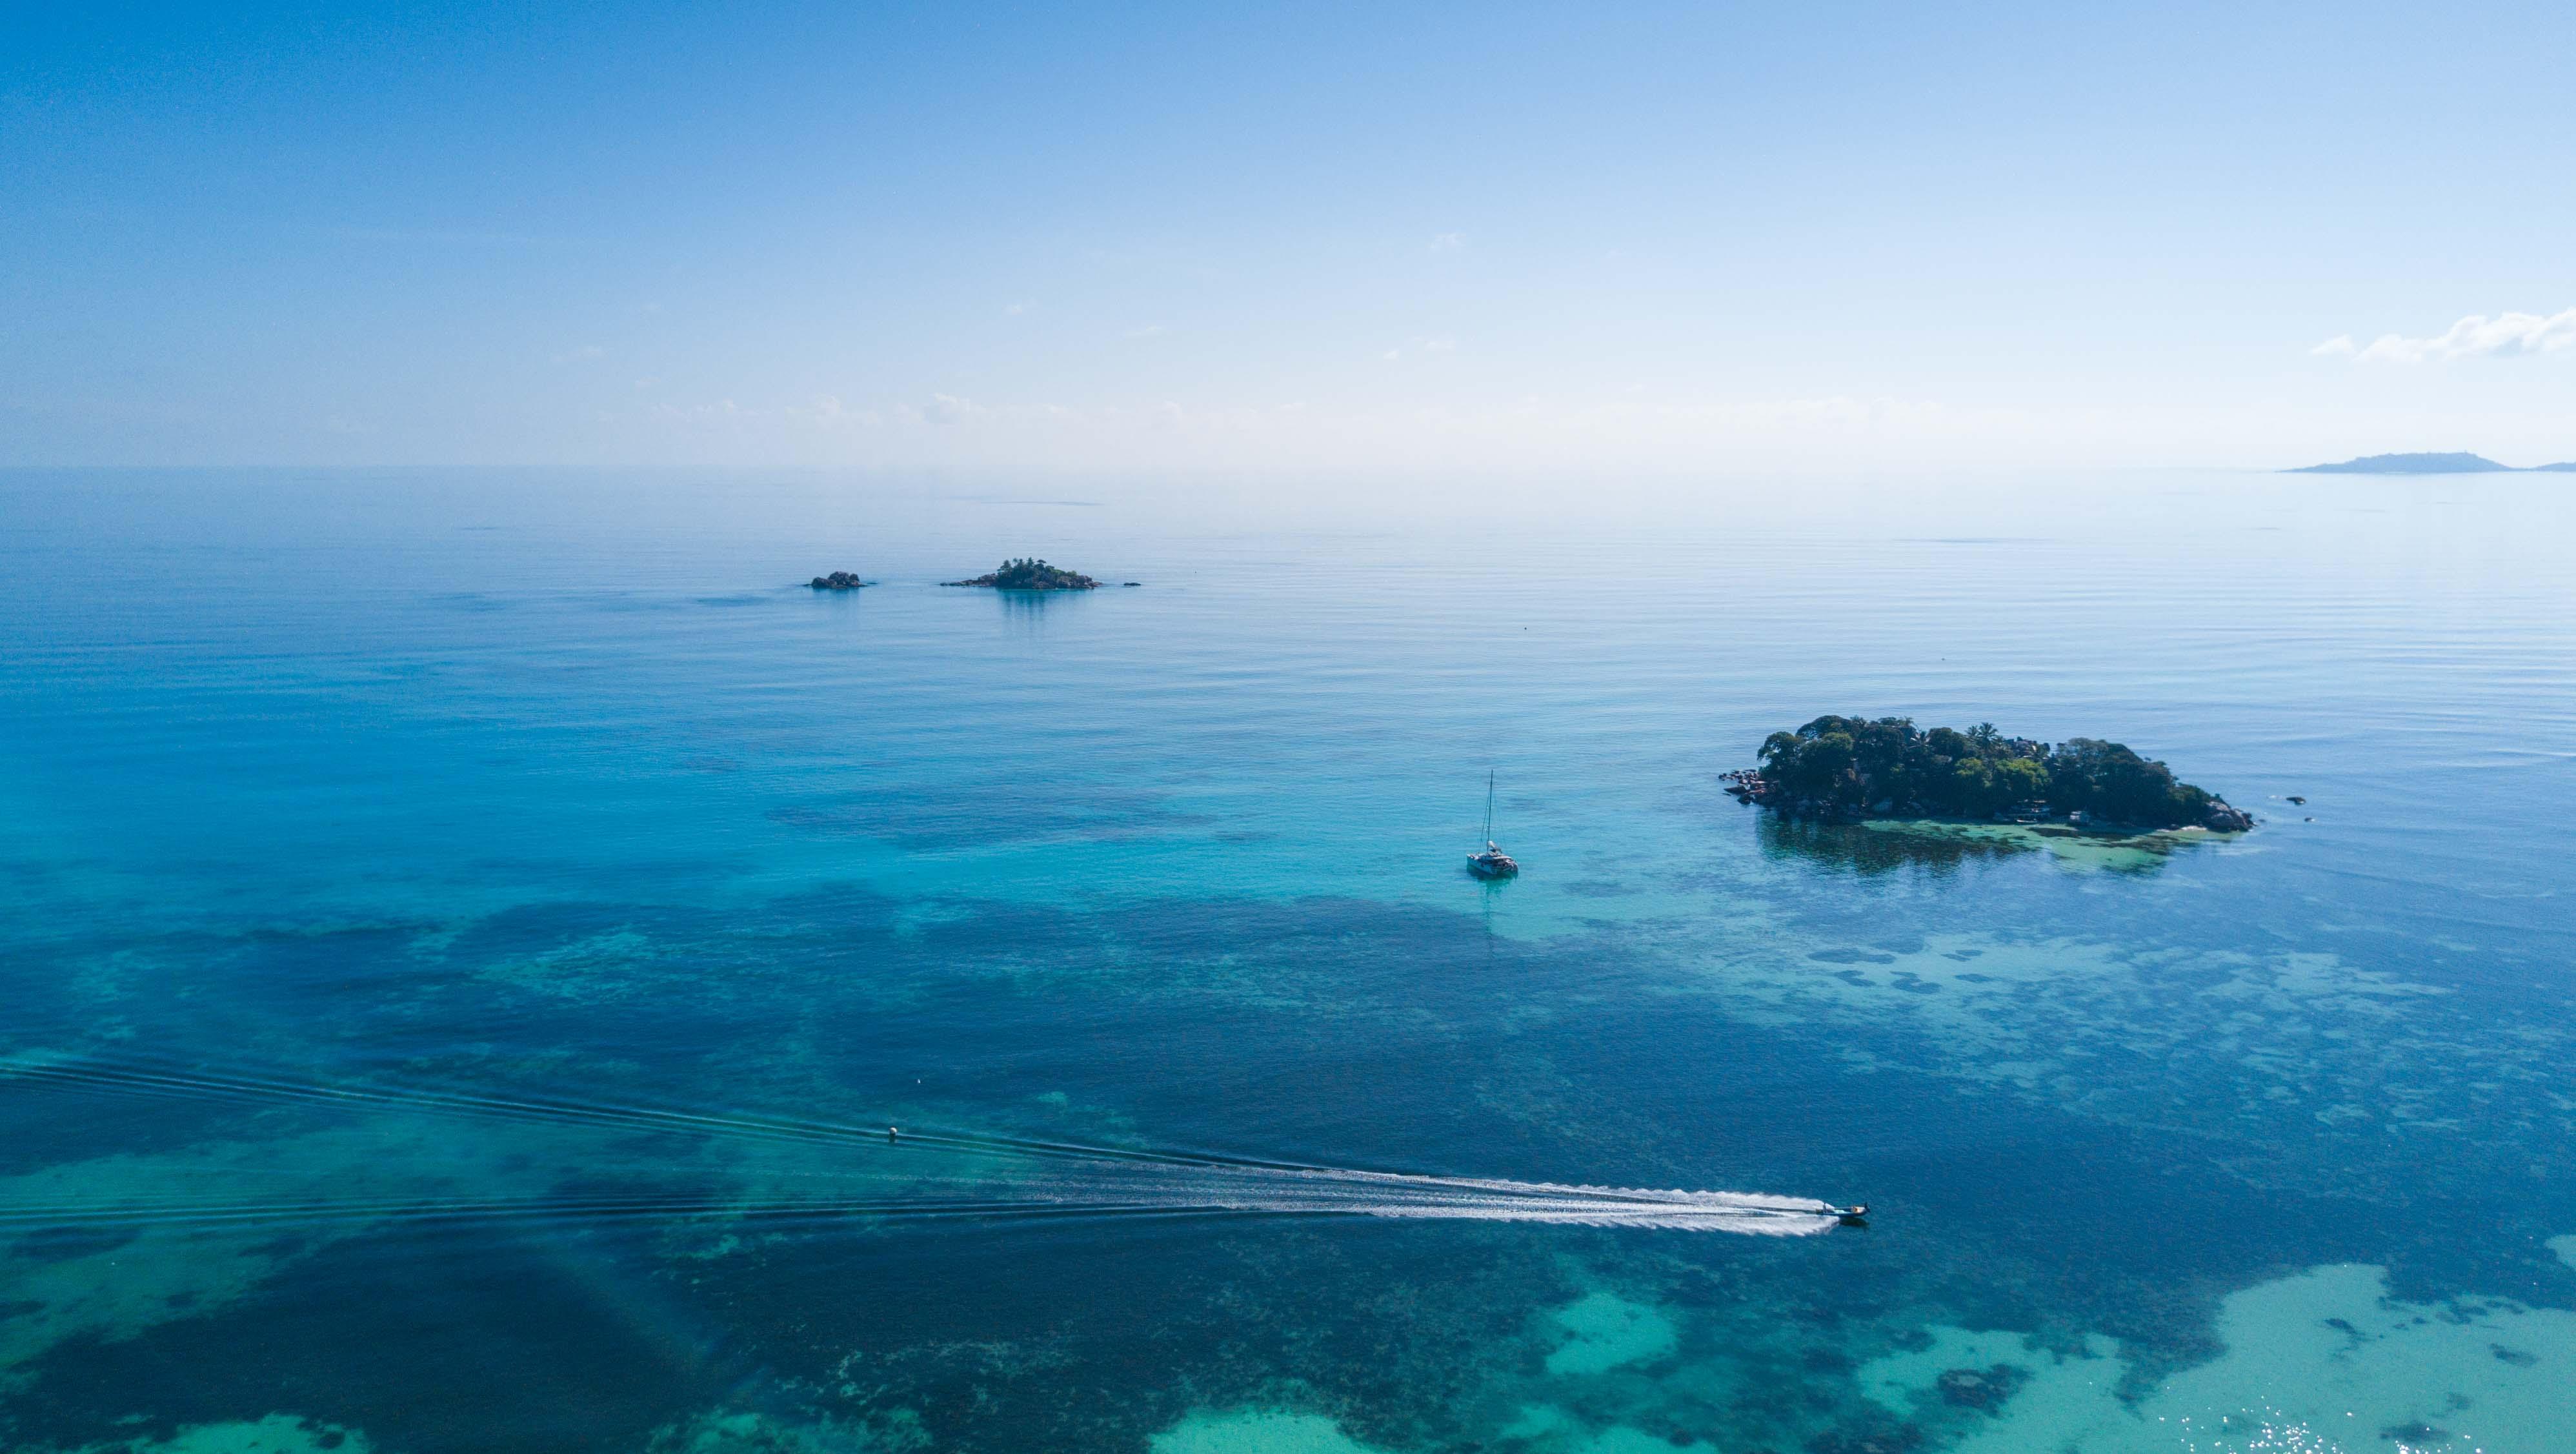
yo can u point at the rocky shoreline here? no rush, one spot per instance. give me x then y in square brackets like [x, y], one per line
[839, 580]
[1748, 786]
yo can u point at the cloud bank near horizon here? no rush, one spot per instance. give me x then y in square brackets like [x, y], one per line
[2476, 336]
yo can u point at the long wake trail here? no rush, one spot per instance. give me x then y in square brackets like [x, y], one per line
[940, 1174]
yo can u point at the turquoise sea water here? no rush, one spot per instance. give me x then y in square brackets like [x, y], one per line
[468, 931]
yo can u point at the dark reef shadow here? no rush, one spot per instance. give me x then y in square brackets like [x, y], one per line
[1942, 846]
[1853, 848]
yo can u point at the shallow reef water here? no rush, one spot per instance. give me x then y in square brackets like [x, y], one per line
[1943, 840]
[273, 1434]
[498, 967]
[2321, 1359]
[1603, 1332]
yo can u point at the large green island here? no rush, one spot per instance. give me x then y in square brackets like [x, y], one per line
[1854, 767]
[1031, 575]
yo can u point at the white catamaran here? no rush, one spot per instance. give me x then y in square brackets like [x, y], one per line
[1493, 862]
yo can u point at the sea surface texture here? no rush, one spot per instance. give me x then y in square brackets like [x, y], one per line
[469, 935]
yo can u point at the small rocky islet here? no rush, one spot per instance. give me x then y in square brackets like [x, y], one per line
[1851, 768]
[1012, 575]
[1031, 575]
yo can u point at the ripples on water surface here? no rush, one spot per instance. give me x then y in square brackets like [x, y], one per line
[470, 931]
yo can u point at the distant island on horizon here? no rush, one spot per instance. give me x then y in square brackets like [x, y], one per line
[2457, 463]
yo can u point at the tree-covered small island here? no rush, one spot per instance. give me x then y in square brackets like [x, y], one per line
[1031, 575]
[1854, 767]
[839, 580]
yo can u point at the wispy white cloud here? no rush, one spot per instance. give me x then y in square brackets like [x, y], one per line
[825, 412]
[722, 411]
[1422, 345]
[1146, 330]
[828, 412]
[1385, 428]
[587, 353]
[2476, 336]
[942, 409]
[1447, 241]
[1014, 310]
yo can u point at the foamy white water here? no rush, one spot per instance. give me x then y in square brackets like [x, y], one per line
[1327, 1190]
[921, 1174]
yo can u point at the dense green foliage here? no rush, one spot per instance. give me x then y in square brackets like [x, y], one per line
[1032, 575]
[1889, 765]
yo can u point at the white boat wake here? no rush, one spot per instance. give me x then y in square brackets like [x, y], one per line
[915, 1174]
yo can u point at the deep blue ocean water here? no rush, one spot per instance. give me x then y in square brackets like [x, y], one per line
[468, 931]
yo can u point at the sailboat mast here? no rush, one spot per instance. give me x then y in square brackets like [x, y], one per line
[1489, 805]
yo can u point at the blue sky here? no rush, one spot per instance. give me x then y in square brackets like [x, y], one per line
[1375, 240]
